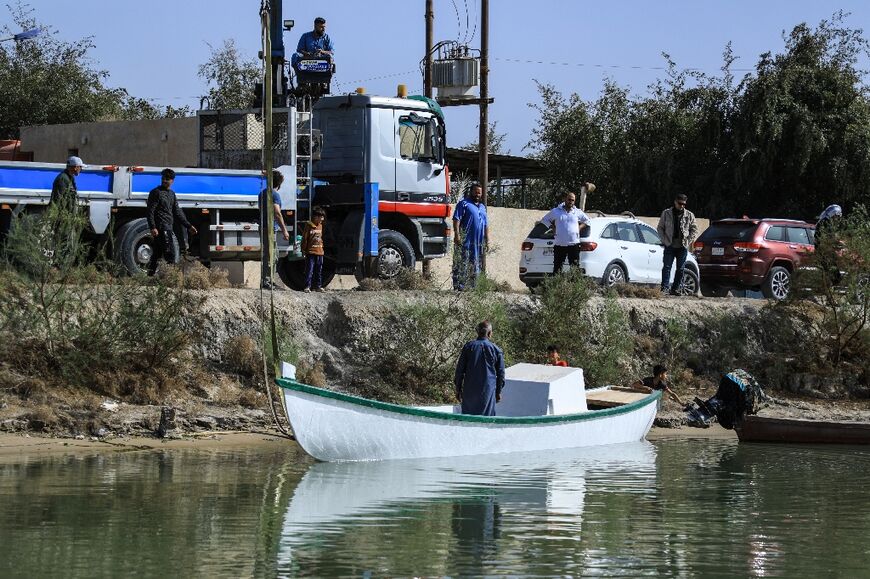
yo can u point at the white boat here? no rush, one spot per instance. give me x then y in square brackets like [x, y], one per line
[543, 408]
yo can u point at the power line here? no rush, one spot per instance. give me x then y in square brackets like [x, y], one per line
[617, 66]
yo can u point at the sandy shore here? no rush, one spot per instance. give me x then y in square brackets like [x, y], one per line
[14, 447]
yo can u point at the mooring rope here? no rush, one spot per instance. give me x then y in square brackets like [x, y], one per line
[268, 236]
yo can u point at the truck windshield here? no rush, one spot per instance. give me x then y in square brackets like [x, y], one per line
[415, 138]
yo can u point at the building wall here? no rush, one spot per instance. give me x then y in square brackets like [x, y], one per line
[508, 229]
[153, 143]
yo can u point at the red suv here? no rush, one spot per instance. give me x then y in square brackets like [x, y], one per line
[752, 254]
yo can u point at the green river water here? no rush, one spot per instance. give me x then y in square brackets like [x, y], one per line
[672, 508]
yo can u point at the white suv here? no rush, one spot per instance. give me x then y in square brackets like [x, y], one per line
[614, 249]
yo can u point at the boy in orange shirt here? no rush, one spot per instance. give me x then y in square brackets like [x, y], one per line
[312, 249]
[553, 357]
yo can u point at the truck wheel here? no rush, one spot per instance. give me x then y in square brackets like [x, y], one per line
[292, 272]
[776, 284]
[134, 247]
[394, 253]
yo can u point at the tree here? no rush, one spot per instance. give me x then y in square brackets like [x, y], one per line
[231, 80]
[494, 140]
[47, 81]
[784, 142]
[802, 130]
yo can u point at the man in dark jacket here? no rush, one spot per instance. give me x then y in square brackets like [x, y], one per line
[64, 191]
[480, 373]
[163, 210]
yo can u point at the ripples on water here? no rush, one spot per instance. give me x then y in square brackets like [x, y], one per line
[674, 508]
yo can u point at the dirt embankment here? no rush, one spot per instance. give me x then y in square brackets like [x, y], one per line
[333, 332]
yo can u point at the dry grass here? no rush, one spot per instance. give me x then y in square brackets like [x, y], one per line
[242, 355]
[193, 275]
[633, 290]
[251, 398]
[312, 375]
[406, 280]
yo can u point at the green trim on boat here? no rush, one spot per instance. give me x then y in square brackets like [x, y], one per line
[591, 415]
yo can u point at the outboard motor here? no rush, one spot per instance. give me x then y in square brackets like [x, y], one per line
[739, 394]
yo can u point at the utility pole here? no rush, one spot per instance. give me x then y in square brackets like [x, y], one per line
[483, 144]
[430, 40]
[427, 85]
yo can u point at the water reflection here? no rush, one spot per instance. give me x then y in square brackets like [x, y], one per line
[678, 508]
[474, 512]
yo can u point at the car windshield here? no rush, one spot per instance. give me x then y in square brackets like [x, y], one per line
[541, 231]
[739, 231]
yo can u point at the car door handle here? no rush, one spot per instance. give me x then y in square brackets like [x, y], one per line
[792, 247]
[653, 250]
[623, 247]
[403, 196]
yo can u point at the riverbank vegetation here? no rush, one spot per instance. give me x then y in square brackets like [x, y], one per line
[785, 140]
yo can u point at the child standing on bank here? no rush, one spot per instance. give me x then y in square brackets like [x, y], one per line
[312, 249]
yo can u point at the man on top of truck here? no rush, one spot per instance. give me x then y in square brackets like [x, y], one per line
[315, 42]
[64, 190]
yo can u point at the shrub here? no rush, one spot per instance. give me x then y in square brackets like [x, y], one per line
[71, 323]
[416, 350]
[595, 339]
[633, 290]
[242, 355]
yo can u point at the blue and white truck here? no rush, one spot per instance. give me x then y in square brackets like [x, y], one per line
[348, 146]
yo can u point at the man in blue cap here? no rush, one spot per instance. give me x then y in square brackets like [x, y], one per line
[63, 190]
[479, 377]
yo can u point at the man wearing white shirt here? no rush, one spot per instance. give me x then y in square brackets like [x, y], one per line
[566, 220]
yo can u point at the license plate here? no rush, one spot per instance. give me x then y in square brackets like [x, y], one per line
[718, 251]
[548, 252]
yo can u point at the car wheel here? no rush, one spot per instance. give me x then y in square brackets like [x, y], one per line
[614, 274]
[689, 284]
[776, 284]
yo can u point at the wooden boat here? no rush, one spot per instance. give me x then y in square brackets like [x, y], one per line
[543, 408]
[766, 429]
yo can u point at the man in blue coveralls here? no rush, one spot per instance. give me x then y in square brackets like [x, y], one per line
[470, 236]
[480, 373]
[314, 43]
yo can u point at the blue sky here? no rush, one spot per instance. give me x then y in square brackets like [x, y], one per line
[154, 48]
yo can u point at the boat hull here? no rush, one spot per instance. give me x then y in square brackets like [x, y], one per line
[337, 427]
[765, 429]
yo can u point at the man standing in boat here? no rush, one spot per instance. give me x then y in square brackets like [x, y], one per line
[480, 373]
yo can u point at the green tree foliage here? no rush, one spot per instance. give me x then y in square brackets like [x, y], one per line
[495, 141]
[784, 141]
[46, 81]
[231, 79]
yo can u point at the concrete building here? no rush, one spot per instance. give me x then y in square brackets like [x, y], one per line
[152, 143]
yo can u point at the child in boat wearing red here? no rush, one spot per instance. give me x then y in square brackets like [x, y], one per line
[553, 357]
[658, 381]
